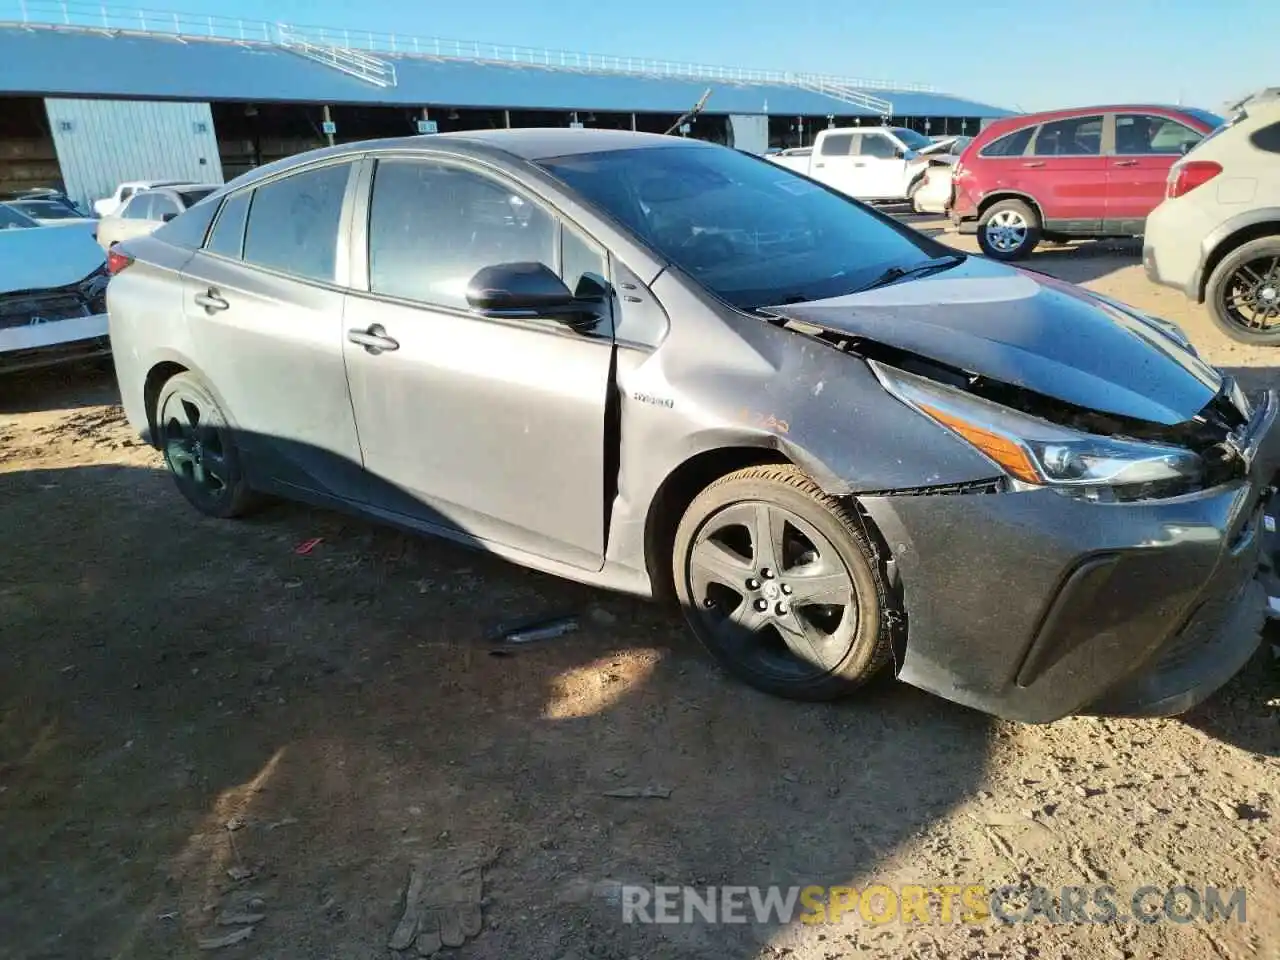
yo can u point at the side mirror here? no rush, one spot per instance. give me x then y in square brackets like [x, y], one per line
[522, 290]
[167, 217]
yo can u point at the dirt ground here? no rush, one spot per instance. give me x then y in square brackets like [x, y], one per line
[203, 731]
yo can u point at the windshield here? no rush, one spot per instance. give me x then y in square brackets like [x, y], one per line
[913, 140]
[45, 209]
[1210, 120]
[751, 232]
[12, 219]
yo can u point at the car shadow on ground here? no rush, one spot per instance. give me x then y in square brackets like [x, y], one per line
[1084, 261]
[64, 387]
[298, 706]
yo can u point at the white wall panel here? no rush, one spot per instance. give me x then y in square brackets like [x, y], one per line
[102, 142]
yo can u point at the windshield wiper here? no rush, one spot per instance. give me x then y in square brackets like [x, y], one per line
[895, 273]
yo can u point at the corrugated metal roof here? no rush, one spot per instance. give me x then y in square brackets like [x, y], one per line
[86, 64]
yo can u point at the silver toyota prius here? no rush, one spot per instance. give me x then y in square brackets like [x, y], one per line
[670, 368]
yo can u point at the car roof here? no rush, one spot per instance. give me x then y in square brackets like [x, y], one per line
[178, 188]
[541, 143]
[1026, 119]
[527, 144]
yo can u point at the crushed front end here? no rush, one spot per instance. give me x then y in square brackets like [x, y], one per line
[40, 328]
[1034, 603]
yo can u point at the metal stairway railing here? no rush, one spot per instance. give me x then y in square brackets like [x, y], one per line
[354, 63]
[842, 90]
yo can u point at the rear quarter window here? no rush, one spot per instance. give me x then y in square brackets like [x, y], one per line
[1267, 139]
[1010, 145]
[227, 238]
[188, 229]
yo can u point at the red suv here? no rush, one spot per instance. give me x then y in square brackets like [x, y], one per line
[1069, 174]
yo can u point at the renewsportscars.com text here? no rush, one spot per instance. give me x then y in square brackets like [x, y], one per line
[943, 903]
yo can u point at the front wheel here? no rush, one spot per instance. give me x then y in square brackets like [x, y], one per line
[1008, 230]
[1243, 293]
[913, 195]
[199, 448]
[782, 586]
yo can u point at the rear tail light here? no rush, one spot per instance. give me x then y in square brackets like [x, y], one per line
[117, 261]
[1184, 179]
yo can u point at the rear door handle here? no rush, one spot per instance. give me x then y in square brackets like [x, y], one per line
[1126, 163]
[374, 339]
[859, 164]
[1033, 163]
[211, 301]
[819, 164]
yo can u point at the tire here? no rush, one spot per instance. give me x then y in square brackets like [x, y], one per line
[1009, 230]
[1250, 274]
[911, 195]
[199, 449]
[716, 556]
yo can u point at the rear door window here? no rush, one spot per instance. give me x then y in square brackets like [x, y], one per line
[1073, 137]
[1010, 145]
[227, 238]
[293, 223]
[836, 145]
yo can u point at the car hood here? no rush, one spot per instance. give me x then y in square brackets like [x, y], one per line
[36, 258]
[1031, 331]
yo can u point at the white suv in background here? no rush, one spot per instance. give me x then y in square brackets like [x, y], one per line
[1216, 236]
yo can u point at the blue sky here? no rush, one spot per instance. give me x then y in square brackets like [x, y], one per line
[1029, 54]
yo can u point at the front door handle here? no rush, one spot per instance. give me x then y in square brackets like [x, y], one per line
[1126, 163]
[374, 339]
[1034, 163]
[819, 164]
[211, 301]
[859, 164]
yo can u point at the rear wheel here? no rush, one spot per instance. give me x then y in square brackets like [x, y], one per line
[781, 585]
[199, 448]
[1008, 230]
[1243, 293]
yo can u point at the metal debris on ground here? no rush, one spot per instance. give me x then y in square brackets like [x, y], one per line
[239, 873]
[640, 793]
[238, 919]
[227, 940]
[533, 631]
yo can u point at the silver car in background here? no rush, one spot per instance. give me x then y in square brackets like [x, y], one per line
[670, 368]
[147, 209]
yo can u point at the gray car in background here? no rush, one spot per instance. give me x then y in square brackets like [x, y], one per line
[673, 369]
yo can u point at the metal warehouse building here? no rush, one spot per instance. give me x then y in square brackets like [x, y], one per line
[91, 95]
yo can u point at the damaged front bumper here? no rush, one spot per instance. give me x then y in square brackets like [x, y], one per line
[1034, 606]
[36, 345]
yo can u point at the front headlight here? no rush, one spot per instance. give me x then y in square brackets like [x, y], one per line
[1038, 452]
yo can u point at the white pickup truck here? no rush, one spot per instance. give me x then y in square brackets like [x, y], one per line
[869, 163]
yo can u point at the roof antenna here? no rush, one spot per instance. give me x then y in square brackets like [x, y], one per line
[684, 117]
